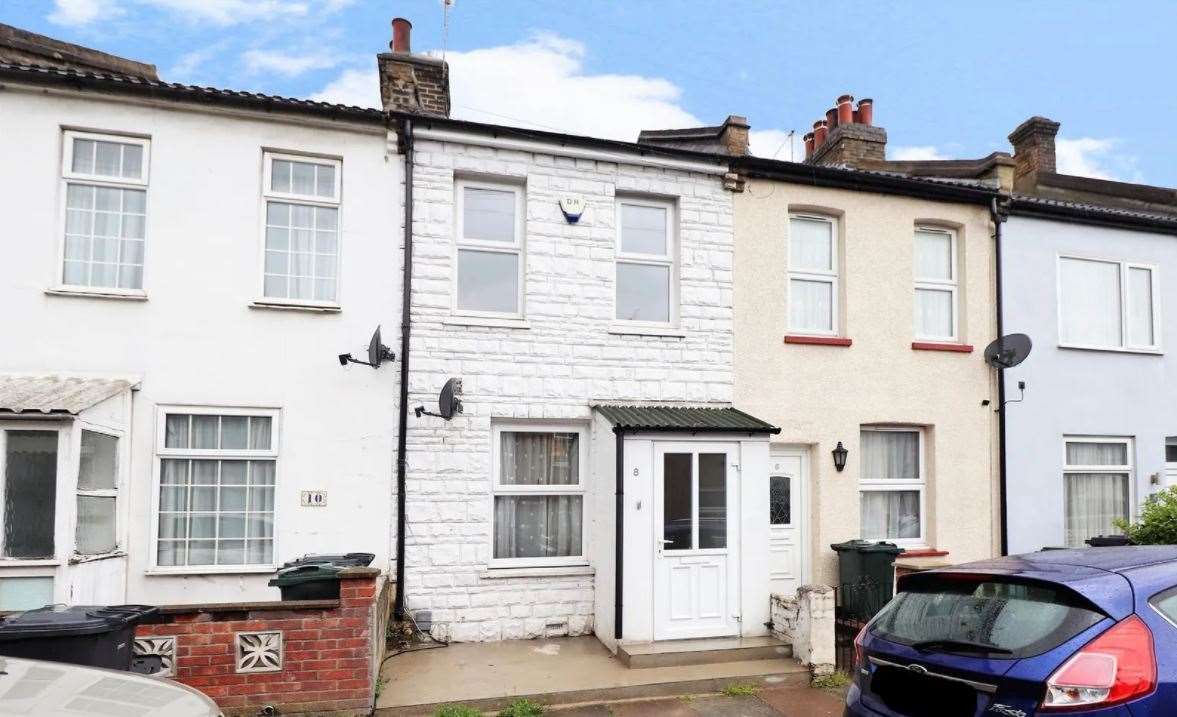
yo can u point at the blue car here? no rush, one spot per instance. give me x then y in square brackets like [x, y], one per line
[1072, 632]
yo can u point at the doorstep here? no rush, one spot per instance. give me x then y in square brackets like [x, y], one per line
[561, 671]
[674, 653]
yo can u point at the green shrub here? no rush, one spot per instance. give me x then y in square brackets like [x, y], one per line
[834, 680]
[740, 689]
[1158, 520]
[523, 708]
[456, 711]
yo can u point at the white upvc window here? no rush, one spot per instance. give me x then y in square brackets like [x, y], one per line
[216, 476]
[1108, 304]
[646, 276]
[1097, 486]
[936, 285]
[892, 484]
[104, 187]
[488, 251]
[813, 275]
[96, 531]
[538, 509]
[301, 245]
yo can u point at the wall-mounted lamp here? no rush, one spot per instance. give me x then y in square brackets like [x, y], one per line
[840, 454]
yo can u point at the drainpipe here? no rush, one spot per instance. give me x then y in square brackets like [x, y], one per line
[997, 220]
[405, 146]
[619, 537]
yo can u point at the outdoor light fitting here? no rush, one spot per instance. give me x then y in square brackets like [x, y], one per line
[840, 454]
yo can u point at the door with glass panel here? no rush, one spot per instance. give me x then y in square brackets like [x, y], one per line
[29, 462]
[784, 518]
[696, 540]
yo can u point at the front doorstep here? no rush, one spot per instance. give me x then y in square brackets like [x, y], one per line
[675, 653]
[564, 671]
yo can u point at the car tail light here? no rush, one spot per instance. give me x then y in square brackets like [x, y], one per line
[1115, 667]
[859, 651]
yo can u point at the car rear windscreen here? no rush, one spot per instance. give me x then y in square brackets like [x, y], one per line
[987, 617]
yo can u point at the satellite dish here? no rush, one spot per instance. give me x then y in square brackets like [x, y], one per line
[448, 403]
[378, 353]
[1008, 351]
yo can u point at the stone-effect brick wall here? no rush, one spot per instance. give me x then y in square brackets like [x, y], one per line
[554, 370]
[326, 651]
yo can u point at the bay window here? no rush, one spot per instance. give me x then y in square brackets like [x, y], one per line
[217, 477]
[1097, 478]
[105, 187]
[646, 274]
[936, 283]
[539, 496]
[813, 275]
[1107, 304]
[302, 204]
[892, 484]
[489, 252]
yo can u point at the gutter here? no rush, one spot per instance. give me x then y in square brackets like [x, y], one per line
[405, 147]
[995, 214]
[1091, 216]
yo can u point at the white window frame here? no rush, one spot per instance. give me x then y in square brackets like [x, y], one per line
[1128, 469]
[581, 489]
[63, 512]
[669, 260]
[952, 284]
[68, 177]
[516, 248]
[120, 457]
[831, 277]
[1124, 268]
[161, 452]
[313, 200]
[869, 485]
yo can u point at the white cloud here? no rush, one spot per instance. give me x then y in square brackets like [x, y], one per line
[353, 87]
[231, 12]
[774, 144]
[915, 153]
[287, 64]
[1088, 157]
[82, 12]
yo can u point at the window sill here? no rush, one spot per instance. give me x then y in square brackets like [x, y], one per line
[486, 321]
[667, 332]
[31, 563]
[538, 572]
[280, 306]
[97, 293]
[211, 570]
[923, 553]
[1110, 349]
[941, 346]
[77, 558]
[817, 340]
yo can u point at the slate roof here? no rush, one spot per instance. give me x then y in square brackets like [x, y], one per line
[55, 395]
[1025, 204]
[683, 419]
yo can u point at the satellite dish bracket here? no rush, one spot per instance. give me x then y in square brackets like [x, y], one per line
[378, 353]
[448, 403]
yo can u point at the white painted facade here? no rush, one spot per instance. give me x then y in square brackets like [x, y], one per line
[195, 336]
[545, 365]
[1102, 395]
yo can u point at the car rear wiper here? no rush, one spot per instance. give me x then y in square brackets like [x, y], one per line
[961, 646]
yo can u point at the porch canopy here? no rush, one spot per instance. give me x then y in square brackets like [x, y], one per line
[55, 395]
[691, 419]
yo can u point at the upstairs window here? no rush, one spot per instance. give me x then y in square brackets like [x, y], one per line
[813, 275]
[1107, 304]
[646, 274]
[936, 285]
[489, 252]
[105, 182]
[302, 198]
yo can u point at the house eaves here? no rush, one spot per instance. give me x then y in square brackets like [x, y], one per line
[1024, 205]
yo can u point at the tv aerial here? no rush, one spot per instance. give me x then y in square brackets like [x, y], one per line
[378, 353]
[448, 403]
[1006, 352]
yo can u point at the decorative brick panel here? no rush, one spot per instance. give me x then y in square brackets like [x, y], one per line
[324, 650]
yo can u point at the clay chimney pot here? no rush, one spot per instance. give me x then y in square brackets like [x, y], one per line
[402, 31]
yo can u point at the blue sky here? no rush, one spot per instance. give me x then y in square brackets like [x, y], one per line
[949, 79]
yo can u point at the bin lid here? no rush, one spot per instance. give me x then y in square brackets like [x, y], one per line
[308, 573]
[343, 560]
[62, 621]
[867, 546]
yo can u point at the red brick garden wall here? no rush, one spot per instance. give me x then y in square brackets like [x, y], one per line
[309, 656]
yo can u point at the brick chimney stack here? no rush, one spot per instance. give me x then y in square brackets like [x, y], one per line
[1033, 142]
[411, 82]
[847, 136]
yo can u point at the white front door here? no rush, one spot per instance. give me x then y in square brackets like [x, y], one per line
[696, 540]
[785, 490]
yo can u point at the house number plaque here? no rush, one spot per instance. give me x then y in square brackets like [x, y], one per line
[314, 498]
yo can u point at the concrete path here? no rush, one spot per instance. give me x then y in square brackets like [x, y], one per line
[769, 702]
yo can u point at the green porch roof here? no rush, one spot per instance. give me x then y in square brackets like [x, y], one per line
[683, 419]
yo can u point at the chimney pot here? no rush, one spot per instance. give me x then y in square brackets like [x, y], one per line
[820, 130]
[846, 109]
[808, 145]
[866, 111]
[402, 30]
[832, 118]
